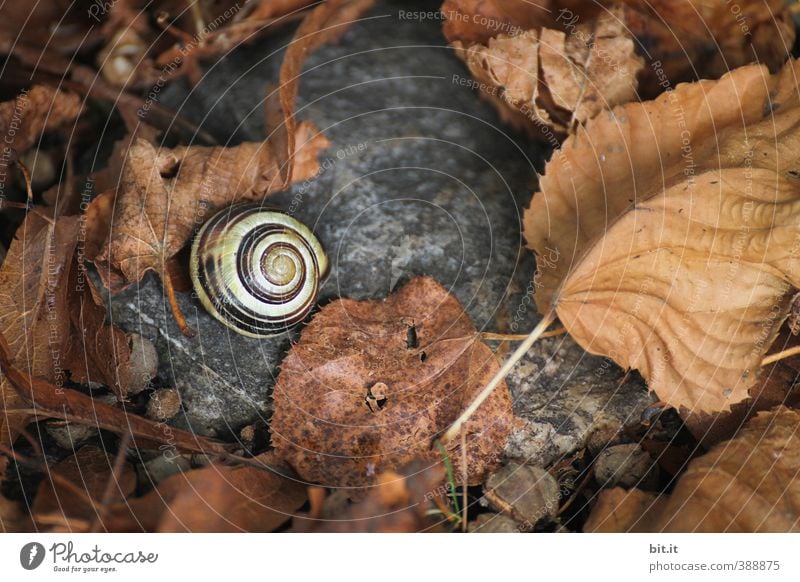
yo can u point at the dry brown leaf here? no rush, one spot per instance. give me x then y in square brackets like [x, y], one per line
[61, 24]
[33, 308]
[13, 517]
[73, 501]
[555, 79]
[215, 498]
[353, 399]
[138, 54]
[53, 318]
[400, 502]
[165, 193]
[748, 484]
[777, 384]
[33, 112]
[477, 21]
[51, 401]
[690, 39]
[666, 233]
[325, 24]
[590, 50]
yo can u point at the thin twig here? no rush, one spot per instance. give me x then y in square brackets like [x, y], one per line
[177, 313]
[518, 337]
[787, 353]
[27, 176]
[464, 480]
[521, 350]
[581, 486]
[113, 480]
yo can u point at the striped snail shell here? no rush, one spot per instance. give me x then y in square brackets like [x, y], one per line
[257, 270]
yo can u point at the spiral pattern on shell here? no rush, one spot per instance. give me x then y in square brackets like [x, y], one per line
[257, 270]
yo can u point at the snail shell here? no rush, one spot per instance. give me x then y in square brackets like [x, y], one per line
[257, 270]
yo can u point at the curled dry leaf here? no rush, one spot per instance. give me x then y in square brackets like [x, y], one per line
[41, 109]
[748, 484]
[52, 320]
[690, 39]
[353, 399]
[325, 24]
[32, 309]
[400, 502]
[554, 79]
[215, 498]
[547, 64]
[53, 317]
[165, 193]
[666, 233]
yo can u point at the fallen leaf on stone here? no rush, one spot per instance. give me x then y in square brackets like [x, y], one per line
[553, 79]
[215, 498]
[74, 500]
[33, 112]
[51, 401]
[353, 400]
[164, 194]
[402, 501]
[665, 234]
[325, 24]
[748, 484]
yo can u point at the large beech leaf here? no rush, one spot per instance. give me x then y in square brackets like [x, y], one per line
[748, 484]
[667, 233]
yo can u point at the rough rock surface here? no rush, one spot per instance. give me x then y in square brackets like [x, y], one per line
[422, 178]
[565, 397]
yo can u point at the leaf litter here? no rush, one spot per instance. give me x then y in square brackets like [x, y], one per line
[397, 404]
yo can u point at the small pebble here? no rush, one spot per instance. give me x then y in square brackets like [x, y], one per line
[165, 465]
[248, 434]
[164, 404]
[68, 435]
[142, 366]
[494, 523]
[524, 492]
[624, 466]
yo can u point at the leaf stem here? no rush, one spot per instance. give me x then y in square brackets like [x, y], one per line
[518, 337]
[521, 350]
[787, 353]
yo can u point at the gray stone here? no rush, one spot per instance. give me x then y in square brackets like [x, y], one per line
[162, 466]
[526, 493]
[422, 178]
[494, 523]
[567, 398]
[70, 435]
[625, 466]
